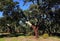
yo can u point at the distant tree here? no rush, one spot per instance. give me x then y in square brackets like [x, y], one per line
[11, 12]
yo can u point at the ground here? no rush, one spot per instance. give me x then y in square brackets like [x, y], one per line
[29, 38]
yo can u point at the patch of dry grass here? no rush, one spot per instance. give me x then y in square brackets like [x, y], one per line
[29, 38]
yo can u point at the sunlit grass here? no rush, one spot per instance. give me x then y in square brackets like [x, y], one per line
[29, 38]
[2, 39]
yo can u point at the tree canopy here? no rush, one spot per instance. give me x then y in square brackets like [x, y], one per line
[41, 13]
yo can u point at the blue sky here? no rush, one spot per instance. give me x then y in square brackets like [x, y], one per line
[21, 5]
[0, 14]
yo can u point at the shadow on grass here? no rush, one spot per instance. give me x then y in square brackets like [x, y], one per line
[21, 34]
[55, 35]
[12, 35]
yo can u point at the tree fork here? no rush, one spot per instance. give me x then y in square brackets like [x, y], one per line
[35, 28]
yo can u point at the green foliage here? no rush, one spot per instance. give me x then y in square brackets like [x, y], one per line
[30, 33]
[37, 14]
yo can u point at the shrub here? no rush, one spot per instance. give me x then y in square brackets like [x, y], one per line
[45, 35]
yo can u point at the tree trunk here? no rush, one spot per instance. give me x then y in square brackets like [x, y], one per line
[35, 30]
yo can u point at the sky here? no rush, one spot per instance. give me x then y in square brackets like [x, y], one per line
[25, 7]
[1, 14]
[21, 4]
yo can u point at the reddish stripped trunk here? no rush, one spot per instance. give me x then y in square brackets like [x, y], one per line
[35, 30]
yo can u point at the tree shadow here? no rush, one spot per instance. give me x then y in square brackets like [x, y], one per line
[56, 34]
[11, 35]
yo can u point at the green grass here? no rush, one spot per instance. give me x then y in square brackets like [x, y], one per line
[2, 39]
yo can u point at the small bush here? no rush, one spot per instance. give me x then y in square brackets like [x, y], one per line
[45, 36]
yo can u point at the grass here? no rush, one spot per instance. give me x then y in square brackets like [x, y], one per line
[2, 39]
[29, 38]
